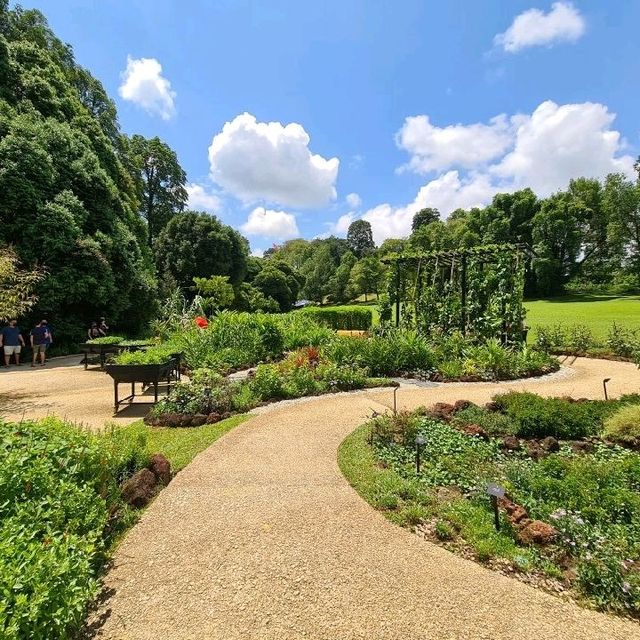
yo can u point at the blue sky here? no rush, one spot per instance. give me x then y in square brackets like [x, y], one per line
[486, 112]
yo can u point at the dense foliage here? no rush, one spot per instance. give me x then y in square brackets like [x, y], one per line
[346, 318]
[60, 507]
[590, 495]
[68, 191]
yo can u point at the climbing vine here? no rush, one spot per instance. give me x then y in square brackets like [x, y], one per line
[476, 291]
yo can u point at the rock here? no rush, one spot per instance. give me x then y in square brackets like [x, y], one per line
[510, 443]
[139, 488]
[550, 444]
[460, 405]
[516, 514]
[442, 411]
[449, 494]
[582, 446]
[475, 431]
[492, 407]
[198, 420]
[535, 450]
[161, 468]
[212, 418]
[537, 532]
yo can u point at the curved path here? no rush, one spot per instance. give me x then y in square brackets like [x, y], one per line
[261, 537]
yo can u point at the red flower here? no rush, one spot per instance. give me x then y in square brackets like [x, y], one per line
[201, 322]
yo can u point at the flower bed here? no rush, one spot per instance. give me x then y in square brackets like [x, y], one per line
[571, 514]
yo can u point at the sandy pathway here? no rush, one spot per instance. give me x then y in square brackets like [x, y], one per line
[63, 388]
[261, 537]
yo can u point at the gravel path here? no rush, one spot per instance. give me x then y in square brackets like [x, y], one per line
[262, 538]
[63, 388]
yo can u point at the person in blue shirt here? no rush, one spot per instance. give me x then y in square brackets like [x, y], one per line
[11, 341]
[40, 341]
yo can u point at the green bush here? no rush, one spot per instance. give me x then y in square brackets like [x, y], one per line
[622, 341]
[231, 341]
[153, 355]
[58, 491]
[347, 318]
[106, 340]
[624, 425]
[537, 417]
[302, 330]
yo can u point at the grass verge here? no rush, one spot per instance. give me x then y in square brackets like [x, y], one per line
[180, 445]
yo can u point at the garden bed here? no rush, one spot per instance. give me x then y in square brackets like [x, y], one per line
[571, 512]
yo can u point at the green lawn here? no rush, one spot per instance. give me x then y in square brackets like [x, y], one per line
[180, 445]
[597, 312]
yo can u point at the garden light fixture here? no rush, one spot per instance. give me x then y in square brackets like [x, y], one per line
[495, 491]
[420, 442]
[395, 401]
[604, 385]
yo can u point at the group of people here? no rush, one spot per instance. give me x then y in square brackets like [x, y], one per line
[12, 342]
[40, 338]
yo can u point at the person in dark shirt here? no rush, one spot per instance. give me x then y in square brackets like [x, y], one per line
[11, 341]
[40, 340]
[95, 331]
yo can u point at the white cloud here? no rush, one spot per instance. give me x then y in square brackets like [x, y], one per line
[200, 198]
[268, 161]
[439, 148]
[546, 149]
[341, 226]
[257, 253]
[353, 200]
[446, 193]
[559, 142]
[271, 224]
[563, 23]
[144, 85]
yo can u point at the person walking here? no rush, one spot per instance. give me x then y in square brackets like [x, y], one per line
[40, 341]
[12, 341]
[103, 326]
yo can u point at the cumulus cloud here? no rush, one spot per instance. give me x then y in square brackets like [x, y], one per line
[563, 23]
[271, 224]
[438, 148]
[559, 142]
[341, 226]
[144, 85]
[201, 198]
[269, 161]
[353, 200]
[545, 150]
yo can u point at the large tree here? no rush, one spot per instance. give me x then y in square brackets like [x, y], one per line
[360, 238]
[68, 201]
[424, 217]
[197, 245]
[160, 181]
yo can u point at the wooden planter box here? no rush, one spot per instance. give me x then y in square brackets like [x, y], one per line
[145, 374]
[101, 350]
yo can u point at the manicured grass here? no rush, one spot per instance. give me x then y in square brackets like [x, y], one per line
[596, 312]
[180, 445]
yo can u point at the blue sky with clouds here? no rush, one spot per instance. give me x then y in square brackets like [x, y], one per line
[294, 118]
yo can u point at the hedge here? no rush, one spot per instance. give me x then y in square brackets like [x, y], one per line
[348, 318]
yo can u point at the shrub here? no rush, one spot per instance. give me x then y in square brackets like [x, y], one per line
[232, 340]
[623, 342]
[580, 339]
[153, 355]
[301, 330]
[493, 422]
[347, 318]
[106, 340]
[551, 338]
[58, 490]
[267, 382]
[539, 417]
[624, 425]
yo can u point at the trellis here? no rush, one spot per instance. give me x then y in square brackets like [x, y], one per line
[477, 291]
